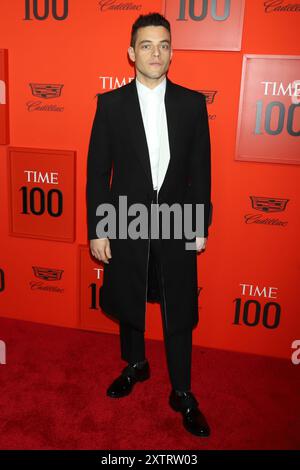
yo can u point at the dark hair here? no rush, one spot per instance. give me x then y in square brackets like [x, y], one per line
[151, 19]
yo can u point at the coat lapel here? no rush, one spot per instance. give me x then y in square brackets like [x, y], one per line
[138, 135]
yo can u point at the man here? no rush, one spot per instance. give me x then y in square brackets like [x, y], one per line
[152, 136]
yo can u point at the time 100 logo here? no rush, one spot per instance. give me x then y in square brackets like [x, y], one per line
[41, 9]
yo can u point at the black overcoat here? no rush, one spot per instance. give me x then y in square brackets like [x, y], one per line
[118, 164]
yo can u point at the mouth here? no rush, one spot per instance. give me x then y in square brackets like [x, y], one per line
[155, 63]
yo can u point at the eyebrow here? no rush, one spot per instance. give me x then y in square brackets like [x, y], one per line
[148, 40]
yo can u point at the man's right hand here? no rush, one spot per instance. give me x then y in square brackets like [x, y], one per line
[100, 249]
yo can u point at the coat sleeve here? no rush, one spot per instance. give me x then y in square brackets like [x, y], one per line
[200, 165]
[99, 165]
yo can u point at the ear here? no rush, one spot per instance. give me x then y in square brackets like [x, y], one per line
[131, 53]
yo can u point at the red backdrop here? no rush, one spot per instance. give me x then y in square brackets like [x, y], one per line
[52, 63]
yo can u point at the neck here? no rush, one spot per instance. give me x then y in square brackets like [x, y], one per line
[149, 82]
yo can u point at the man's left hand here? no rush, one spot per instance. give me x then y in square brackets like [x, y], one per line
[201, 243]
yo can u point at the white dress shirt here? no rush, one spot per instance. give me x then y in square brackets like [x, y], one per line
[152, 106]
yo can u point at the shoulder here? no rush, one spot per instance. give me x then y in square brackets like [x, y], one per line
[112, 100]
[193, 99]
[188, 92]
[113, 95]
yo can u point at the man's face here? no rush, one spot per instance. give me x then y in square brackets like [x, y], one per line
[152, 52]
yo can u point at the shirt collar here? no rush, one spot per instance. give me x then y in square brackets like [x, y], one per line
[159, 90]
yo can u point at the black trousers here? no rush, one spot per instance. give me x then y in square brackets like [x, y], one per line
[178, 347]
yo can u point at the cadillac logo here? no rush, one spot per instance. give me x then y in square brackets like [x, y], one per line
[268, 204]
[46, 91]
[48, 274]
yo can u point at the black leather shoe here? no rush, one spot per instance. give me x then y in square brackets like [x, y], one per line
[131, 374]
[193, 419]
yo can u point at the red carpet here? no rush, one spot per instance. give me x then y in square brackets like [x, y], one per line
[53, 396]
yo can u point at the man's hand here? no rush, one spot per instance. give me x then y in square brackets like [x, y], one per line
[100, 249]
[201, 243]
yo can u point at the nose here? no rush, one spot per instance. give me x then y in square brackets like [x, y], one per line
[156, 50]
